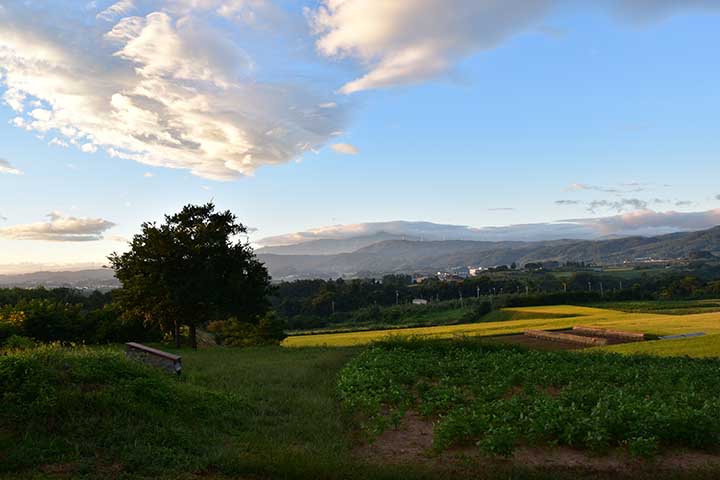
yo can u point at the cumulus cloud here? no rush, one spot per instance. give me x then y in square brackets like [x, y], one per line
[409, 41]
[6, 167]
[160, 83]
[59, 228]
[345, 148]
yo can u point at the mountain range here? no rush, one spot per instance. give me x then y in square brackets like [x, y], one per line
[409, 256]
[385, 253]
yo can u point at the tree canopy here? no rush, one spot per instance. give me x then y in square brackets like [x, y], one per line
[192, 269]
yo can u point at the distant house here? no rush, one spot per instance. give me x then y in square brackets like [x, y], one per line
[419, 301]
[476, 271]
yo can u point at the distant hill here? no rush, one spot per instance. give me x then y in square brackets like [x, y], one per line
[398, 256]
[101, 279]
[333, 246]
[410, 256]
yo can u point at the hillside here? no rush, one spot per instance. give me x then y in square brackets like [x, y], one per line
[395, 256]
[101, 279]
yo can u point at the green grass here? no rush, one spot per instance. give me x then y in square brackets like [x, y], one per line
[268, 412]
[666, 307]
[498, 397]
[253, 413]
[697, 347]
[419, 318]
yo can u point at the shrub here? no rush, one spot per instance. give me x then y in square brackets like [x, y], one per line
[18, 342]
[234, 333]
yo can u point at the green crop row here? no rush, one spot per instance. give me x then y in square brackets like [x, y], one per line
[498, 397]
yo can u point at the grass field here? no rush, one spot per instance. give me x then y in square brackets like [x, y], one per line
[236, 413]
[544, 318]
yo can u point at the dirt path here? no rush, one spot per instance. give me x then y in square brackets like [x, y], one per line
[411, 443]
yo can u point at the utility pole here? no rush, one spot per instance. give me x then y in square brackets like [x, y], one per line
[333, 307]
[461, 299]
[602, 292]
[621, 285]
[527, 289]
[477, 292]
[397, 297]
[565, 287]
[589, 287]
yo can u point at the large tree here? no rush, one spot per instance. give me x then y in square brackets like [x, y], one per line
[193, 268]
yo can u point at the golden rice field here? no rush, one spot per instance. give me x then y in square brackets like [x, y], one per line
[567, 316]
[699, 347]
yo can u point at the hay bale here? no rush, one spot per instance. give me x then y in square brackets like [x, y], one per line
[607, 333]
[566, 338]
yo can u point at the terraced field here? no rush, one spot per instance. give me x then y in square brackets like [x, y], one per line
[546, 318]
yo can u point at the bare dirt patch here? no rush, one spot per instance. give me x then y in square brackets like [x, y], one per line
[547, 345]
[411, 444]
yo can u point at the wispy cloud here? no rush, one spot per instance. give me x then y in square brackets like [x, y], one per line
[345, 148]
[577, 187]
[567, 202]
[409, 41]
[501, 209]
[617, 205]
[59, 228]
[6, 167]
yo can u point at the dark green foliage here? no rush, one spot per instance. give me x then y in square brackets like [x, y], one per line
[46, 316]
[18, 342]
[478, 311]
[498, 397]
[234, 333]
[191, 270]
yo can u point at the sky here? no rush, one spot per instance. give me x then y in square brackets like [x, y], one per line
[327, 118]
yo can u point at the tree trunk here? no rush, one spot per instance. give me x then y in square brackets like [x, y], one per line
[176, 334]
[193, 336]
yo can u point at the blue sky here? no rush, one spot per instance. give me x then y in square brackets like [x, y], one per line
[489, 122]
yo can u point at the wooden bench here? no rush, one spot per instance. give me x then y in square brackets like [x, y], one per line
[154, 357]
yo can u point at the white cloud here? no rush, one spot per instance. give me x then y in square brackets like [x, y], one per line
[88, 148]
[345, 148]
[6, 167]
[60, 143]
[404, 42]
[59, 228]
[166, 87]
[148, 175]
[642, 222]
[116, 10]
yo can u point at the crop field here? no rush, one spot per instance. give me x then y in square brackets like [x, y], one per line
[499, 397]
[698, 347]
[538, 318]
